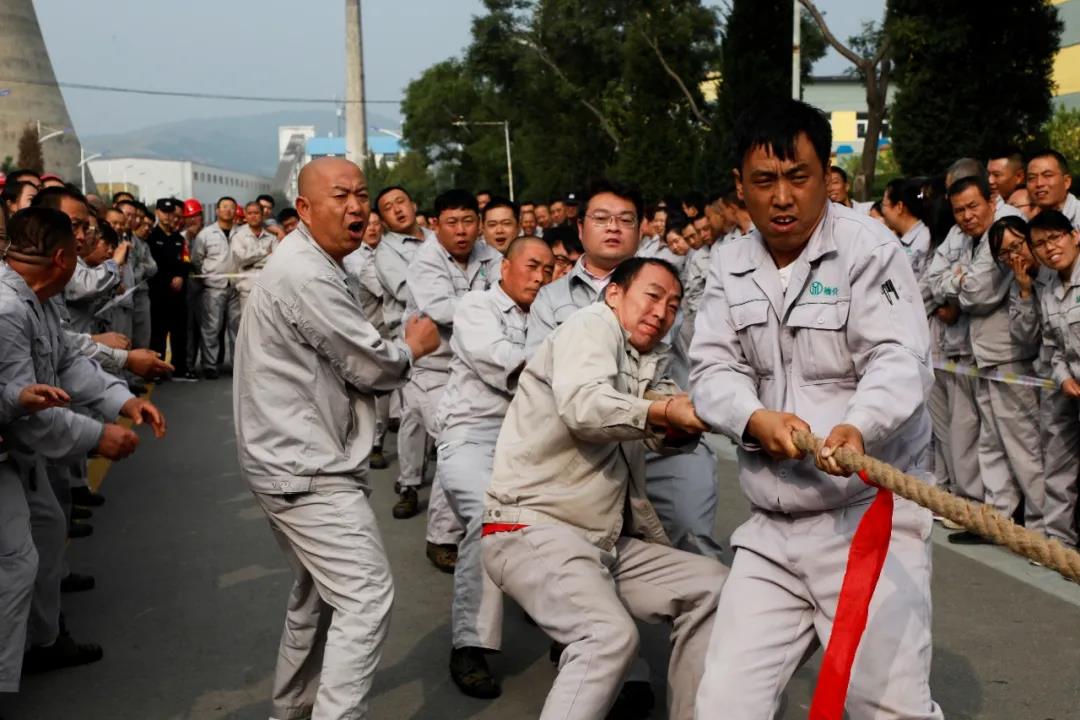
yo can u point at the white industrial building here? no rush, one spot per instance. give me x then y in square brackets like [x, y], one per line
[151, 179]
[298, 145]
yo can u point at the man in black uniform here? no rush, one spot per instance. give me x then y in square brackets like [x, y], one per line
[168, 288]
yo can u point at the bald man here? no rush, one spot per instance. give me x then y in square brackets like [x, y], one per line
[488, 347]
[308, 367]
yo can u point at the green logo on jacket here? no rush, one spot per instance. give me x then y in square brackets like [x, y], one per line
[817, 288]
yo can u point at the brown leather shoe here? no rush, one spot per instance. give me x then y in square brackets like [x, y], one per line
[408, 504]
[444, 557]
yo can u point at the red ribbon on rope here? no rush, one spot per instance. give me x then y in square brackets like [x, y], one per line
[865, 560]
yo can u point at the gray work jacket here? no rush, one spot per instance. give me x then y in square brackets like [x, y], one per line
[249, 255]
[916, 243]
[436, 282]
[1060, 307]
[36, 350]
[393, 259]
[360, 265]
[210, 254]
[571, 451]
[488, 348]
[87, 292]
[847, 343]
[556, 302]
[308, 368]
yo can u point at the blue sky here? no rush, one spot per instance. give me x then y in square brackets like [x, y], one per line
[266, 47]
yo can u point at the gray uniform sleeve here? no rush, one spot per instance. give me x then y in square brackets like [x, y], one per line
[541, 322]
[940, 271]
[985, 285]
[146, 268]
[112, 360]
[480, 342]
[88, 283]
[1059, 366]
[583, 374]
[890, 345]
[326, 316]
[56, 432]
[723, 385]
[432, 289]
[392, 273]
[1024, 326]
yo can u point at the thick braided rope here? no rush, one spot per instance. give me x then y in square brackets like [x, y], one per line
[976, 517]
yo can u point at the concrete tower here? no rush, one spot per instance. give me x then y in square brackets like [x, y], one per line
[28, 92]
[355, 112]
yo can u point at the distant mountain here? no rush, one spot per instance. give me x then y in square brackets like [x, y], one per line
[246, 144]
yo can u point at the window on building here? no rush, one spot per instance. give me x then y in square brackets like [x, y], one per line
[861, 120]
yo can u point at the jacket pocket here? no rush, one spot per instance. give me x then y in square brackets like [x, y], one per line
[750, 321]
[822, 353]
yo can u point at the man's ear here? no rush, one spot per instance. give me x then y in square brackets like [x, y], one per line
[303, 209]
[738, 183]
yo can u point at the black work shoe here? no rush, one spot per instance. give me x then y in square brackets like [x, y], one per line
[188, 376]
[64, 653]
[393, 425]
[80, 530]
[635, 702]
[211, 374]
[968, 538]
[443, 557]
[408, 504]
[82, 495]
[376, 460]
[469, 671]
[74, 582]
[80, 513]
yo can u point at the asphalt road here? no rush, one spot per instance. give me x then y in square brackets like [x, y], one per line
[191, 592]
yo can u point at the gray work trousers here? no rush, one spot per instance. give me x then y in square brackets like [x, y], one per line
[1010, 446]
[781, 597]
[48, 526]
[587, 598]
[937, 405]
[382, 420]
[1060, 425]
[212, 324]
[339, 608]
[963, 437]
[18, 570]
[477, 610]
[140, 321]
[682, 490]
[420, 400]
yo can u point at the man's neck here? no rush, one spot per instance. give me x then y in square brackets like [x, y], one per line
[906, 223]
[226, 226]
[502, 286]
[256, 230]
[597, 268]
[31, 276]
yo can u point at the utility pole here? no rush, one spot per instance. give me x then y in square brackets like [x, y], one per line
[355, 108]
[796, 51]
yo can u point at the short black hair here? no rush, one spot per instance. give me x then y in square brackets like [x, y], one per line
[498, 201]
[627, 271]
[996, 234]
[386, 191]
[909, 192]
[267, 198]
[696, 200]
[287, 214]
[13, 190]
[618, 189]
[677, 222]
[456, 199]
[483, 192]
[119, 195]
[108, 234]
[776, 125]
[970, 181]
[51, 197]
[1008, 152]
[20, 173]
[565, 235]
[1050, 152]
[37, 231]
[121, 203]
[223, 198]
[839, 171]
[1051, 220]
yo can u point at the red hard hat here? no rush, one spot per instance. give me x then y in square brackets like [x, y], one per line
[239, 212]
[192, 207]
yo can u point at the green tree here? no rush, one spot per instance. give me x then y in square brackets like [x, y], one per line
[756, 62]
[971, 77]
[1063, 134]
[30, 157]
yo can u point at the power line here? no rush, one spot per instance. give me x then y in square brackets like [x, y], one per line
[198, 95]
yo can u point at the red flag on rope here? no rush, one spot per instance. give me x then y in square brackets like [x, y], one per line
[865, 560]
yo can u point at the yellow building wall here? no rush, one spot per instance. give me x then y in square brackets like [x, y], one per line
[844, 127]
[1067, 70]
